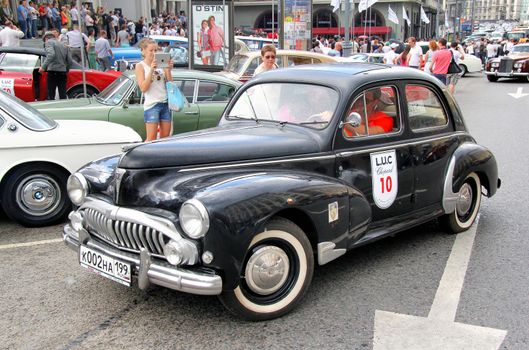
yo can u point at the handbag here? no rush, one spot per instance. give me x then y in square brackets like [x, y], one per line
[453, 68]
[175, 98]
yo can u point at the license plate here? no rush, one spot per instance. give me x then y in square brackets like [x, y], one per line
[105, 266]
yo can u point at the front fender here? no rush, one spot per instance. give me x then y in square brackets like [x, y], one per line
[468, 158]
[240, 204]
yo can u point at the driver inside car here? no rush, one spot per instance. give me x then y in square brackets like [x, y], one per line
[378, 122]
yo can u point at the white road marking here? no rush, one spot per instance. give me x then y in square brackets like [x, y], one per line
[30, 244]
[518, 93]
[439, 331]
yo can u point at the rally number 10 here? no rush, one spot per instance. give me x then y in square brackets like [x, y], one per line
[386, 183]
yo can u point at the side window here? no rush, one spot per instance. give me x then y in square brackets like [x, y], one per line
[252, 67]
[378, 110]
[315, 60]
[298, 60]
[187, 87]
[209, 91]
[424, 108]
[136, 97]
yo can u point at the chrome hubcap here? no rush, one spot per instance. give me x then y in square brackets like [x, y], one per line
[464, 201]
[38, 195]
[267, 270]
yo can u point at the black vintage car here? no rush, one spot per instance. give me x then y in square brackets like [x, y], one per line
[306, 164]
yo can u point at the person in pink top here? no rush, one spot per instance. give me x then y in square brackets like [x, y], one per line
[216, 41]
[440, 61]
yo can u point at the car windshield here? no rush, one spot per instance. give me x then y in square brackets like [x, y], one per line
[309, 105]
[113, 94]
[522, 48]
[25, 114]
[237, 64]
[359, 57]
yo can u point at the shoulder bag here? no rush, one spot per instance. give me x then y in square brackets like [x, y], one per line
[453, 68]
[175, 98]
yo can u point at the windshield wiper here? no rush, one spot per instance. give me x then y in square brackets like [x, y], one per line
[242, 117]
[315, 122]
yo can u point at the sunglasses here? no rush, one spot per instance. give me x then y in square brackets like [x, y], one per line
[270, 57]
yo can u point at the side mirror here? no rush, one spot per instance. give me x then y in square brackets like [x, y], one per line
[354, 119]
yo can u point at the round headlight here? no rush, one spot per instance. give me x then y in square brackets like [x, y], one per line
[194, 218]
[77, 188]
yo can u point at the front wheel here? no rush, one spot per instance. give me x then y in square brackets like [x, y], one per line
[275, 275]
[492, 78]
[36, 195]
[78, 92]
[467, 206]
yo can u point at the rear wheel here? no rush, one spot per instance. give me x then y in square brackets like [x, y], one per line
[78, 92]
[467, 206]
[36, 195]
[492, 78]
[276, 273]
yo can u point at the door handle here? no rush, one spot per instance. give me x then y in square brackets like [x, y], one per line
[27, 79]
[191, 113]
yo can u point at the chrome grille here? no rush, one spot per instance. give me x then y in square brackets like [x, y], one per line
[506, 65]
[127, 235]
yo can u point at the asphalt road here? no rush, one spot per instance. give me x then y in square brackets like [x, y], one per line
[48, 302]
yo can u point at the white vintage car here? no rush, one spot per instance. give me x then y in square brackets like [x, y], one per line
[38, 154]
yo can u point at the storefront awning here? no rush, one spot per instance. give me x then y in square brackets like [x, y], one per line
[357, 31]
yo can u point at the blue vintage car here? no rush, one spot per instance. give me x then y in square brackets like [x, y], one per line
[175, 45]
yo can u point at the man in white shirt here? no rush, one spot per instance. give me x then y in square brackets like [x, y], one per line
[391, 55]
[75, 15]
[10, 35]
[78, 41]
[415, 56]
[491, 50]
[509, 46]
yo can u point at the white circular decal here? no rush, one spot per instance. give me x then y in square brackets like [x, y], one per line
[385, 178]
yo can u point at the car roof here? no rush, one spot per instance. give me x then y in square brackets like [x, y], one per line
[26, 50]
[253, 54]
[185, 73]
[344, 76]
[168, 38]
[256, 38]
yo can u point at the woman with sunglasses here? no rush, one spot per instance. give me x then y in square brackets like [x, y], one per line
[268, 56]
[151, 81]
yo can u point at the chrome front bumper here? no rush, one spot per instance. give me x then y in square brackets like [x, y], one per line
[506, 74]
[147, 269]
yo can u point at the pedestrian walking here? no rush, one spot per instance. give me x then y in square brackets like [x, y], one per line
[10, 35]
[432, 45]
[22, 13]
[78, 41]
[57, 63]
[414, 58]
[440, 61]
[453, 78]
[123, 37]
[103, 51]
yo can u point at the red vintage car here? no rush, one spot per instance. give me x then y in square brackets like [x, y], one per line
[19, 75]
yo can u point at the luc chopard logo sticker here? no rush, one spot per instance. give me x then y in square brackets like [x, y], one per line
[384, 178]
[333, 211]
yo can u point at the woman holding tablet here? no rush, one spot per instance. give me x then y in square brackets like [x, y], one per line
[151, 81]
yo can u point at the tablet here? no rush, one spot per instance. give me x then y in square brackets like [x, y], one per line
[162, 59]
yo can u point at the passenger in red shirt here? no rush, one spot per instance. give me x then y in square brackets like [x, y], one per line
[378, 122]
[440, 61]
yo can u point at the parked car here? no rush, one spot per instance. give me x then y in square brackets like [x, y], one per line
[290, 178]
[363, 57]
[177, 46]
[19, 75]
[243, 65]
[514, 65]
[38, 154]
[255, 43]
[122, 102]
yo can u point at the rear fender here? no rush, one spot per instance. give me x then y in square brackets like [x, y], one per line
[469, 158]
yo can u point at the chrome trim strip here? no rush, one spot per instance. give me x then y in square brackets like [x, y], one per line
[399, 144]
[235, 165]
[151, 271]
[449, 197]
[327, 252]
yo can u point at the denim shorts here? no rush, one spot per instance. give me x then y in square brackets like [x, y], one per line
[158, 113]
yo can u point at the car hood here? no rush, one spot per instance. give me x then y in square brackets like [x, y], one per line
[519, 56]
[228, 74]
[83, 132]
[227, 143]
[60, 104]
